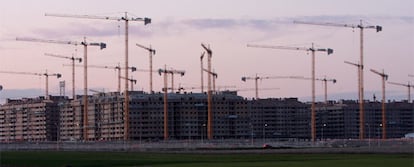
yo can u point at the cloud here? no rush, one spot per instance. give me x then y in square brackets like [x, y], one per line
[259, 24]
[166, 27]
[176, 27]
[270, 24]
[278, 23]
[408, 19]
[211, 23]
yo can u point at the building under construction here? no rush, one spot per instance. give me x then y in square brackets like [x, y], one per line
[30, 119]
[234, 117]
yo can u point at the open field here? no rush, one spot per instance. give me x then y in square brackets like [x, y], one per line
[125, 159]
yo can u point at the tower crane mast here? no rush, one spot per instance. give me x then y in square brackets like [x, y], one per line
[202, 73]
[73, 59]
[85, 71]
[384, 118]
[151, 53]
[209, 93]
[361, 66]
[313, 50]
[165, 72]
[126, 19]
[37, 74]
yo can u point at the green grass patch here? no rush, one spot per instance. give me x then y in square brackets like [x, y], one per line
[125, 159]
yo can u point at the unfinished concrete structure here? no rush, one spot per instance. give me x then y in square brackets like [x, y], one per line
[234, 117]
[30, 119]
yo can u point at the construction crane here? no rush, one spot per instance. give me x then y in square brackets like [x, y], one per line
[361, 66]
[384, 118]
[214, 78]
[325, 84]
[257, 78]
[165, 89]
[73, 59]
[313, 50]
[409, 86]
[165, 102]
[85, 71]
[186, 88]
[37, 74]
[254, 89]
[118, 68]
[151, 53]
[145, 70]
[133, 81]
[359, 78]
[361, 103]
[126, 19]
[202, 73]
[209, 93]
[172, 72]
[96, 91]
[219, 88]
[209, 72]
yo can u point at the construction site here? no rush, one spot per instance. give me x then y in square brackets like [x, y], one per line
[203, 113]
[61, 119]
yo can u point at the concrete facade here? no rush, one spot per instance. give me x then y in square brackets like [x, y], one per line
[30, 119]
[38, 119]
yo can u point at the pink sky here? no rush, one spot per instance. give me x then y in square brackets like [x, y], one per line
[179, 27]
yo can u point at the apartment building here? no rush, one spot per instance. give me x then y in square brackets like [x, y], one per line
[340, 120]
[234, 117]
[30, 119]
